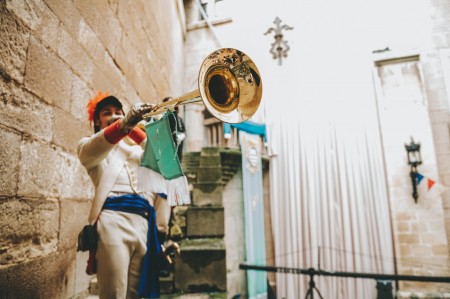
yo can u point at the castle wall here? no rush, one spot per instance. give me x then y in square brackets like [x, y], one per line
[54, 56]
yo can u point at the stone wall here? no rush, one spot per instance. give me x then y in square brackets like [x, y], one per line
[438, 94]
[54, 55]
[430, 242]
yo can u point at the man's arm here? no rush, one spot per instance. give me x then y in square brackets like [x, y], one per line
[92, 150]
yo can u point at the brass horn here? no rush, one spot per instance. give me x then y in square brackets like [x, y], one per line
[229, 84]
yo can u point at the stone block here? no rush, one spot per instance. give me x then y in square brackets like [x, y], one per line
[24, 112]
[205, 222]
[46, 277]
[166, 285]
[114, 75]
[53, 87]
[101, 81]
[205, 194]
[201, 266]
[81, 94]
[210, 151]
[109, 29]
[29, 229]
[73, 217]
[209, 174]
[67, 131]
[13, 45]
[9, 167]
[75, 183]
[90, 41]
[210, 161]
[38, 17]
[75, 56]
[67, 13]
[40, 171]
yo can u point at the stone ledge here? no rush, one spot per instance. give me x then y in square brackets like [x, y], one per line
[422, 295]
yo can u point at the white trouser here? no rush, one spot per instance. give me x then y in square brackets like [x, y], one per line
[121, 249]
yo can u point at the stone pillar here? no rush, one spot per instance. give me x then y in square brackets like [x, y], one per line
[214, 225]
[202, 264]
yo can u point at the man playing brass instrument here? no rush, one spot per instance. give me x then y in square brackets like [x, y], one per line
[127, 256]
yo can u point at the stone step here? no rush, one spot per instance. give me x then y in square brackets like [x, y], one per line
[201, 266]
[205, 221]
[166, 284]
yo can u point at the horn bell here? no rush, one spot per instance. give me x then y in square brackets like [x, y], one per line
[230, 85]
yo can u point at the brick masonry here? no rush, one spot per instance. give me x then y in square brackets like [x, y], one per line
[54, 55]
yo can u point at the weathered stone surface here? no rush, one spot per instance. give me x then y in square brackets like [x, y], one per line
[75, 183]
[73, 217]
[29, 229]
[75, 56]
[201, 266]
[234, 223]
[37, 16]
[80, 95]
[53, 87]
[67, 14]
[205, 194]
[13, 45]
[66, 130]
[205, 222]
[47, 277]
[99, 17]
[209, 174]
[9, 167]
[54, 56]
[40, 171]
[210, 160]
[24, 112]
[90, 41]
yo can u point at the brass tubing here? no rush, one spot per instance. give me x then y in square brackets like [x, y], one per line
[190, 97]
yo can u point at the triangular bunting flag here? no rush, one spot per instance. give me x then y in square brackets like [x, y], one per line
[419, 178]
[430, 184]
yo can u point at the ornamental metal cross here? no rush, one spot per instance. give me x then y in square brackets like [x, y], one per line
[279, 46]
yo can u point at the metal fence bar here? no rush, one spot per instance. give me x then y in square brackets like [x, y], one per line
[312, 272]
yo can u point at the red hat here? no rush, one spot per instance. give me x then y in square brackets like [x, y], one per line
[93, 104]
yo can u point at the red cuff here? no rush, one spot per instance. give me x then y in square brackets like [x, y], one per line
[137, 135]
[113, 134]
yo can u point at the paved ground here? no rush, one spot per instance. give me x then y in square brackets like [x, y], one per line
[93, 288]
[175, 296]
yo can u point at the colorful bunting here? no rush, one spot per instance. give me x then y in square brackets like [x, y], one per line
[419, 178]
[430, 182]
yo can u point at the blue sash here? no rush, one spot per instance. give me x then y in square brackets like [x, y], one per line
[134, 203]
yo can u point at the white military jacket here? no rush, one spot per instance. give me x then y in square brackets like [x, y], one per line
[104, 162]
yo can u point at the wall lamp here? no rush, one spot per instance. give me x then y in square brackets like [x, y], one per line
[414, 159]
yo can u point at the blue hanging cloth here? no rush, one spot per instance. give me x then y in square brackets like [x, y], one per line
[134, 203]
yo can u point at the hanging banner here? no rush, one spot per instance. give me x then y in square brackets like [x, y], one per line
[254, 213]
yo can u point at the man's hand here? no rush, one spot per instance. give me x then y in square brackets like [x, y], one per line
[114, 119]
[134, 116]
[171, 247]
